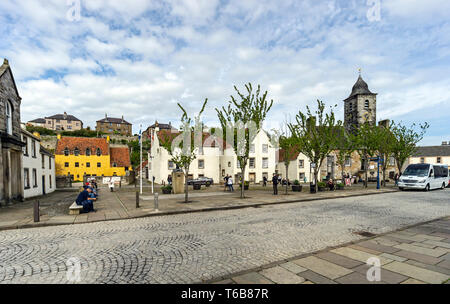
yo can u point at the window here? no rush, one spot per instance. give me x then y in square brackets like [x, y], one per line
[99, 152]
[438, 160]
[50, 181]
[88, 165]
[302, 176]
[422, 160]
[33, 148]
[252, 148]
[76, 152]
[66, 165]
[229, 164]
[26, 178]
[391, 161]
[99, 165]
[348, 161]
[77, 165]
[366, 104]
[201, 164]
[25, 148]
[171, 165]
[265, 163]
[66, 151]
[265, 148]
[43, 161]
[252, 163]
[35, 178]
[114, 165]
[238, 165]
[350, 107]
[88, 152]
[301, 163]
[9, 118]
[50, 162]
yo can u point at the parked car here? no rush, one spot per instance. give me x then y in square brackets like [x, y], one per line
[201, 181]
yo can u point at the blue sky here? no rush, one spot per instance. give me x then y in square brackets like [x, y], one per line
[139, 58]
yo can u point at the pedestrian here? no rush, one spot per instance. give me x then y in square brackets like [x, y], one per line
[84, 199]
[304, 179]
[230, 184]
[396, 177]
[111, 185]
[264, 181]
[169, 180]
[275, 180]
[226, 182]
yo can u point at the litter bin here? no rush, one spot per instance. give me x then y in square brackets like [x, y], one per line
[312, 188]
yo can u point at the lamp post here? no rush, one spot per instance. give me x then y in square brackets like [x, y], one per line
[140, 156]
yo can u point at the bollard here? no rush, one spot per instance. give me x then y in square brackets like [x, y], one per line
[137, 199]
[36, 212]
[156, 202]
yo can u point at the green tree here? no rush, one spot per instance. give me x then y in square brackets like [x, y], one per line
[288, 149]
[385, 148]
[242, 120]
[345, 146]
[40, 130]
[368, 138]
[405, 141]
[316, 133]
[184, 152]
[135, 156]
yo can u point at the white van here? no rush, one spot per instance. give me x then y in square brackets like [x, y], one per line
[424, 176]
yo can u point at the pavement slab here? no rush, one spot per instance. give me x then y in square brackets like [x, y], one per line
[323, 267]
[338, 259]
[251, 278]
[280, 275]
[417, 273]
[358, 255]
[421, 250]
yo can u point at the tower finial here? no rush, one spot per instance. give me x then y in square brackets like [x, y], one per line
[359, 71]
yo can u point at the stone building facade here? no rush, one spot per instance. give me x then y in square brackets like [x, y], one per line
[63, 122]
[111, 125]
[11, 178]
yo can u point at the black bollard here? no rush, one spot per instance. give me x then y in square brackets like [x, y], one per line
[137, 199]
[36, 212]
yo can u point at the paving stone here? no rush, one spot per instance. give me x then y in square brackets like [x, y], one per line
[437, 243]
[227, 281]
[385, 241]
[365, 249]
[378, 247]
[440, 234]
[386, 275]
[426, 251]
[412, 238]
[415, 272]
[280, 275]
[292, 267]
[323, 267]
[412, 281]
[251, 278]
[316, 278]
[431, 237]
[446, 257]
[419, 257]
[355, 278]
[436, 267]
[338, 259]
[400, 241]
[424, 245]
[358, 255]
[393, 257]
[444, 264]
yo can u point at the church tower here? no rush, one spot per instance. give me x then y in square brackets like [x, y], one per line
[360, 106]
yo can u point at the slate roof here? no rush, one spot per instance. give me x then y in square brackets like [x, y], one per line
[114, 120]
[360, 88]
[82, 143]
[38, 120]
[61, 117]
[120, 156]
[5, 67]
[432, 151]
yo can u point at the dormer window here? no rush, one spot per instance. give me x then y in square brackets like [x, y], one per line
[99, 152]
[88, 152]
[76, 152]
[66, 152]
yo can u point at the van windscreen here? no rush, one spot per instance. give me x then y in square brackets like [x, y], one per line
[417, 170]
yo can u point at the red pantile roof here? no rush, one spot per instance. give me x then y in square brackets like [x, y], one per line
[120, 156]
[82, 143]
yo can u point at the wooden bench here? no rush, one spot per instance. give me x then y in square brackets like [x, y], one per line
[74, 209]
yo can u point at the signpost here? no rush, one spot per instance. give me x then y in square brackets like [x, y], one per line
[379, 161]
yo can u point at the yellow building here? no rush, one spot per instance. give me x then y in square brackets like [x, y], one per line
[79, 156]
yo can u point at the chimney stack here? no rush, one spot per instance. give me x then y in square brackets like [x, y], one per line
[444, 143]
[65, 115]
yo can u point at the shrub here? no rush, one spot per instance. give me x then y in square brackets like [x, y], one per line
[296, 182]
[168, 188]
[341, 185]
[321, 184]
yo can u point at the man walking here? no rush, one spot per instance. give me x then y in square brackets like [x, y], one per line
[226, 182]
[230, 184]
[264, 181]
[275, 184]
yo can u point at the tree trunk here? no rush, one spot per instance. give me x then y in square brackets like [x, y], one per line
[243, 181]
[186, 187]
[287, 176]
[366, 171]
[316, 187]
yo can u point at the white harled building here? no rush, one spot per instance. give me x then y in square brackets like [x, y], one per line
[215, 160]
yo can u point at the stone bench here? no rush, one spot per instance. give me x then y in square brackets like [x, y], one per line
[74, 209]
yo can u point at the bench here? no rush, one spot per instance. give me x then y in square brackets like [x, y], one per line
[74, 209]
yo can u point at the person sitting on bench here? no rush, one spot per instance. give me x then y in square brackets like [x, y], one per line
[84, 199]
[331, 184]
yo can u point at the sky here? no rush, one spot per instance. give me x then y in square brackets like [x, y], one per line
[140, 58]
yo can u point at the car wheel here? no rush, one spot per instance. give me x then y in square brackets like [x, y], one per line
[427, 188]
[401, 188]
[443, 186]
